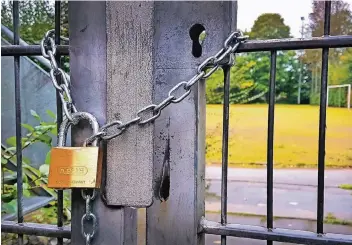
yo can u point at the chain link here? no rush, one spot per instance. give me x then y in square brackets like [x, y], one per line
[88, 217]
[179, 92]
[224, 56]
[48, 48]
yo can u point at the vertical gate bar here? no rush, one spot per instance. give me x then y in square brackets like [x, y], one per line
[60, 194]
[349, 97]
[322, 122]
[16, 41]
[225, 147]
[88, 63]
[18, 120]
[270, 144]
[179, 133]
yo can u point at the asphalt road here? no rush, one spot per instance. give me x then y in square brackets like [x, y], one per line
[295, 196]
[295, 192]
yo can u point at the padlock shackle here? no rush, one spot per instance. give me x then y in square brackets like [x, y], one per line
[76, 117]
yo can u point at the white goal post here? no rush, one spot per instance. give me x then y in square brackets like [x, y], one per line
[341, 86]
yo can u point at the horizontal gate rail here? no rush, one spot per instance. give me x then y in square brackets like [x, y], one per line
[36, 229]
[296, 43]
[276, 234]
[30, 50]
[209, 227]
[249, 46]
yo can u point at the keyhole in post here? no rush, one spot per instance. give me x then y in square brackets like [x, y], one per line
[197, 34]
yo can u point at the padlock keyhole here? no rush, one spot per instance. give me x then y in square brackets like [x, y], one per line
[197, 34]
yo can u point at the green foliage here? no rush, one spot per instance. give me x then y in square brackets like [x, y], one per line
[48, 214]
[250, 80]
[340, 23]
[36, 18]
[330, 218]
[340, 73]
[9, 207]
[346, 186]
[339, 59]
[251, 73]
[41, 133]
[269, 26]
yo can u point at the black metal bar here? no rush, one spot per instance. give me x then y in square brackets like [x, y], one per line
[249, 46]
[16, 41]
[270, 145]
[60, 193]
[36, 229]
[225, 147]
[296, 44]
[322, 123]
[277, 234]
[30, 50]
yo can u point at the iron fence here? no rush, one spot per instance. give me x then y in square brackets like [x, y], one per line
[209, 227]
[270, 233]
[20, 227]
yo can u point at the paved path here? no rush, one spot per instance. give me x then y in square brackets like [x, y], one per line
[333, 178]
[294, 196]
[295, 192]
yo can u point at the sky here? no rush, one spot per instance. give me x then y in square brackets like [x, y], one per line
[290, 10]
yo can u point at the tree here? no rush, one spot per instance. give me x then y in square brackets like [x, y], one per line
[241, 83]
[250, 80]
[269, 26]
[36, 18]
[251, 73]
[341, 24]
[340, 18]
[340, 73]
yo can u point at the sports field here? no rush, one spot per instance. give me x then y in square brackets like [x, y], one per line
[295, 136]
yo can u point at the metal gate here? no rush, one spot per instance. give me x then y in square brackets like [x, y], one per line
[123, 220]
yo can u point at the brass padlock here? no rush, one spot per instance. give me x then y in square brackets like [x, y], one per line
[75, 167]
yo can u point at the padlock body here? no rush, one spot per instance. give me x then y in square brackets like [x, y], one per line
[75, 167]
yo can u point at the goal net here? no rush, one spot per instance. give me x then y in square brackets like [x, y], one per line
[339, 95]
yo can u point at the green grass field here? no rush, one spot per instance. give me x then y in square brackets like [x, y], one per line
[295, 136]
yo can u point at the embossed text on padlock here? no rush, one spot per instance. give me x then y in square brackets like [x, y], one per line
[75, 167]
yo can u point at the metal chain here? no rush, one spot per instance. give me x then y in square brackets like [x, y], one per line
[48, 48]
[88, 217]
[224, 56]
[148, 114]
